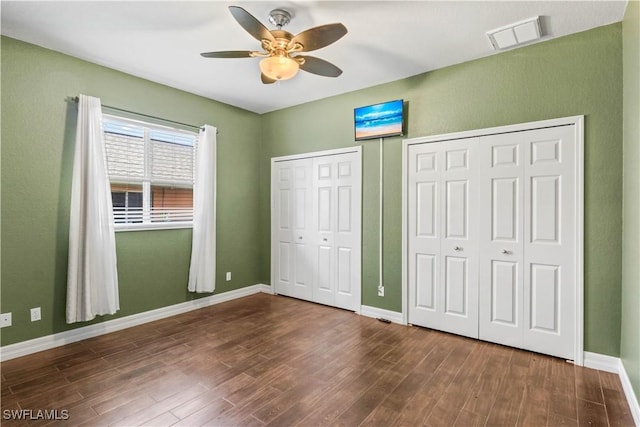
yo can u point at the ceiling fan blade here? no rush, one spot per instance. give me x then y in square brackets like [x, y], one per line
[266, 80]
[251, 24]
[318, 37]
[228, 54]
[319, 66]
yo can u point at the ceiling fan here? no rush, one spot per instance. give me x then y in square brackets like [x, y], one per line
[281, 49]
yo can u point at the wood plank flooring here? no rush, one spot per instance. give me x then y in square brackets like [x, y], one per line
[271, 360]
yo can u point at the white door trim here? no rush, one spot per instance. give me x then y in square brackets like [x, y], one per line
[578, 123]
[354, 149]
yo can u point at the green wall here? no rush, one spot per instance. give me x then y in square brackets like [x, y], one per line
[573, 75]
[38, 128]
[630, 326]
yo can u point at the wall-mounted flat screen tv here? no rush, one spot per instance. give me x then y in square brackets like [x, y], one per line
[379, 120]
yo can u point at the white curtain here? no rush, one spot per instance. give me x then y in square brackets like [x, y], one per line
[202, 273]
[92, 281]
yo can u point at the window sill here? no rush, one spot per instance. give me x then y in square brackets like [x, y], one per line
[154, 226]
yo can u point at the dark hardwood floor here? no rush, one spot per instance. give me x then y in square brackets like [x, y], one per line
[270, 360]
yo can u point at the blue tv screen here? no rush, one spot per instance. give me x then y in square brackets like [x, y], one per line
[379, 120]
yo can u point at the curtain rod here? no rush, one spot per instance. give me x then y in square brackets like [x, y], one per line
[76, 99]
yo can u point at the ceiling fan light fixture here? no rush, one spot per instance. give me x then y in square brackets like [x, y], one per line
[279, 67]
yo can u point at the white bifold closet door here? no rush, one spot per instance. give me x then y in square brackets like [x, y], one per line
[491, 237]
[443, 262]
[336, 229]
[316, 228]
[292, 226]
[527, 240]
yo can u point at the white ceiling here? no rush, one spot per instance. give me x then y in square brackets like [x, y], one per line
[387, 40]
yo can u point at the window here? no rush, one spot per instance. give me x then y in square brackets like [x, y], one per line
[151, 171]
[127, 203]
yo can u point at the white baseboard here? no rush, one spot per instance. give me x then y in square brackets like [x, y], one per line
[614, 364]
[44, 343]
[602, 362]
[632, 399]
[376, 313]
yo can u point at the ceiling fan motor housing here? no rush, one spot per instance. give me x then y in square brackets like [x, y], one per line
[279, 17]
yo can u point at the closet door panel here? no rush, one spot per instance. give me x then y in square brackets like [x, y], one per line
[456, 286]
[549, 282]
[424, 201]
[544, 305]
[426, 271]
[337, 213]
[426, 209]
[323, 291]
[293, 272]
[324, 202]
[459, 240]
[504, 323]
[529, 178]
[456, 217]
[324, 209]
[302, 269]
[284, 264]
[284, 200]
[442, 237]
[302, 262]
[501, 263]
[504, 210]
[345, 279]
[282, 228]
[345, 204]
[347, 235]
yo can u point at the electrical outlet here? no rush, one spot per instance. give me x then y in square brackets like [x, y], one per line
[35, 314]
[5, 320]
[380, 291]
[228, 277]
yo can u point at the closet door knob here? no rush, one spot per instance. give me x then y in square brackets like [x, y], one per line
[457, 249]
[299, 237]
[324, 240]
[506, 252]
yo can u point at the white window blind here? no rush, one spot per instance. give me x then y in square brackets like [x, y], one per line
[151, 170]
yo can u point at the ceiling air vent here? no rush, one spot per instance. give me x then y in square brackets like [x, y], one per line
[515, 34]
